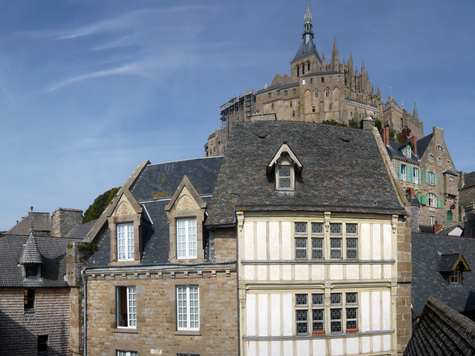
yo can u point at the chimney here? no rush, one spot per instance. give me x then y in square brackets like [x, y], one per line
[410, 192]
[385, 135]
[64, 220]
[437, 227]
[413, 141]
[368, 123]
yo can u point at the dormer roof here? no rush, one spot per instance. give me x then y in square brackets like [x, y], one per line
[31, 253]
[451, 261]
[284, 150]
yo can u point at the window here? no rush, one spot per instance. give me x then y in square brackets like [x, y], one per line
[290, 103]
[293, 113]
[317, 241]
[415, 175]
[327, 92]
[439, 148]
[31, 271]
[303, 81]
[440, 162]
[335, 241]
[127, 353]
[408, 152]
[29, 300]
[323, 79]
[300, 240]
[456, 276]
[449, 215]
[286, 93]
[313, 108]
[311, 80]
[126, 307]
[125, 242]
[330, 79]
[431, 200]
[42, 345]
[187, 241]
[316, 93]
[188, 313]
[308, 66]
[432, 220]
[351, 242]
[269, 95]
[330, 107]
[431, 178]
[431, 158]
[284, 177]
[272, 106]
[278, 92]
[340, 302]
[294, 91]
[301, 313]
[403, 173]
[339, 78]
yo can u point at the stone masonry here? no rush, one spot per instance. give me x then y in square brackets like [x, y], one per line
[64, 220]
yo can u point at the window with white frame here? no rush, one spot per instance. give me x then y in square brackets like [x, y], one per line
[313, 313]
[126, 307]
[335, 241]
[432, 200]
[415, 174]
[188, 309]
[431, 178]
[301, 240]
[403, 172]
[186, 238]
[126, 353]
[125, 242]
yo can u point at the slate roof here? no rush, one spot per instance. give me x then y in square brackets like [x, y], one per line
[427, 278]
[441, 331]
[153, 190]
[80, 231]
[278, 86]
[394, 149]
[422, 145]
[469, 179]
[342, 171]
[53, 267]
[31, 252]
[306, 49]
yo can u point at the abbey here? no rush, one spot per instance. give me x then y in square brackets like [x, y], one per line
[315, 91]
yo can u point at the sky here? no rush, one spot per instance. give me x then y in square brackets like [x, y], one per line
[89, 89]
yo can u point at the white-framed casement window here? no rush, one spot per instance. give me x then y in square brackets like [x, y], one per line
[125, 242]
[415, 175]
[336, 238]
[431, 178]
[186, 238]
[188, 307]
[127, 353]
[408, 152]
[432, 200]
[126, 307]
[344, 312]
[403, 172]
[285, 176]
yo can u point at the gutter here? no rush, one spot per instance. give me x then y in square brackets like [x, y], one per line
[83, 276]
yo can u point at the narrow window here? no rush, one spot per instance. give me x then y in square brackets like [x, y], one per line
[351, 242]
[126, 307]
[272, 106]
[316, 93]
[311, 80]
[330, 107]
[293, 113]
[335, 313]
[269, 95]
[187, 241]
[335, 241]
[313, 108]
[42, 345]
[290, 103]
[456, 276]
[323, 79]
[298, 71]
[308, 66]
[284, 179]
[300, 240]
[294, 91]
[29, 300]
[126, 353]
[327, 92]
[125, 242]
[339, 78]
[317, 241]
[318, 314]
[188, 309]
[440, 162]
[301, 313]
[303, 69]
[303, 81]
[351, 312]
[403, 172]
[432, 220]
[330, 79]
[286, 93]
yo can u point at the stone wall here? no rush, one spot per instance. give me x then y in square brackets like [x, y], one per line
[19, 330]
[156, 331]
[225, 245]
[64, 220]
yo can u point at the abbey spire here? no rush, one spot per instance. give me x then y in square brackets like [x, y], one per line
[307, 27]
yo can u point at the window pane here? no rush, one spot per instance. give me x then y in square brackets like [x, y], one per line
[300, 248]
[335, 228]
[300, 228]
[317, 228]
[351, 298]
[335, 317]
[301, 299]
[132, 306]
[284, 171]
[317, 299]
[335, 248]
[302, 324]
[352, 248]
[317, 319]
[335, 298]
[351, 228]
[317, 249]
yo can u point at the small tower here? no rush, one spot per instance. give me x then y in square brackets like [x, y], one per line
[308, 26]
[31, 259]
[335, 57]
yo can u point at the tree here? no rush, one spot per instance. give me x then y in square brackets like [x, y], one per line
[354, 122]
[333, 122]
[392, 134]
[378, 124]
[100, 204]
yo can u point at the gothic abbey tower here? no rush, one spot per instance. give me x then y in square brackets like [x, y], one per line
[315, 91]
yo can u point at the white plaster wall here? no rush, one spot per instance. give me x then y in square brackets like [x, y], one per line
[274, 240]
[319, 348]
[353, 346]
[365, 311]
[261, 240]
[276, 307]
[376, 242]
[387, 241]
[303, 347]
[251, 315]
[263, 306]
[287, 311]
[336, 346]
[376, 310]
[286, 240]
[249, 241]
[365, 242]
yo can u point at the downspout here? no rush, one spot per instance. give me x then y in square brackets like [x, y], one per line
[83, 276]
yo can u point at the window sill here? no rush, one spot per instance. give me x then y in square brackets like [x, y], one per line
[187, 333]
[125, 330]
[30, 312]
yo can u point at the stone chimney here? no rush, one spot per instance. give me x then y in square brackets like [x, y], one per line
[413, 141]
[64, 220]
[385, 135]
[469, 226]
[410, 192]
[437, 227]
[368, 123]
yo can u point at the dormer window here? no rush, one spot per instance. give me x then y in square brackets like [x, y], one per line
[32, 271]
[456, 276]
[285, 165]
[125, 242]
[453, 264]
[408, 152]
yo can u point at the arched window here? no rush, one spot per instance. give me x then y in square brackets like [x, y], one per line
[327, 92]
[316, 93]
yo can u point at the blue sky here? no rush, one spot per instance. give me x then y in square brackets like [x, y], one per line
[89, 89]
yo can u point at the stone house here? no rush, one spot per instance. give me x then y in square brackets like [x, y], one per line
[324, 263]
[39, 295]
[426, 171]
[160, 281]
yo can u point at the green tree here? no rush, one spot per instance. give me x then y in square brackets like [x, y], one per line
[333, 122]
[378, 124]
[392, 134]
[354, 122]
[100, 204]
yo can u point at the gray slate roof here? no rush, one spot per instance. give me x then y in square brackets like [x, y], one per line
[80, 231]
[427, 278]
[53, 267]
[153, 189]
[342, 171]
[422, 145]
[305, 50]
[31, 252]
[394, 150]
[441, 331]
[469, 179]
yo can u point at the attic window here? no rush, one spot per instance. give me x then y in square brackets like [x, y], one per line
[284, 176]
[456, 276]
[31, 271]
[285, 165]
[407, 151]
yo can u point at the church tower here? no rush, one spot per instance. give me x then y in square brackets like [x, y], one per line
[307, 59]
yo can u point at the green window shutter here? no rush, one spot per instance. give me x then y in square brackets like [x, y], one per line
[412, 174]
[435, 178]
[400, 169]
[408, 174]
[420, 176]
[423, 199]
[440, 203]
[427, 176]
[449, 215]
